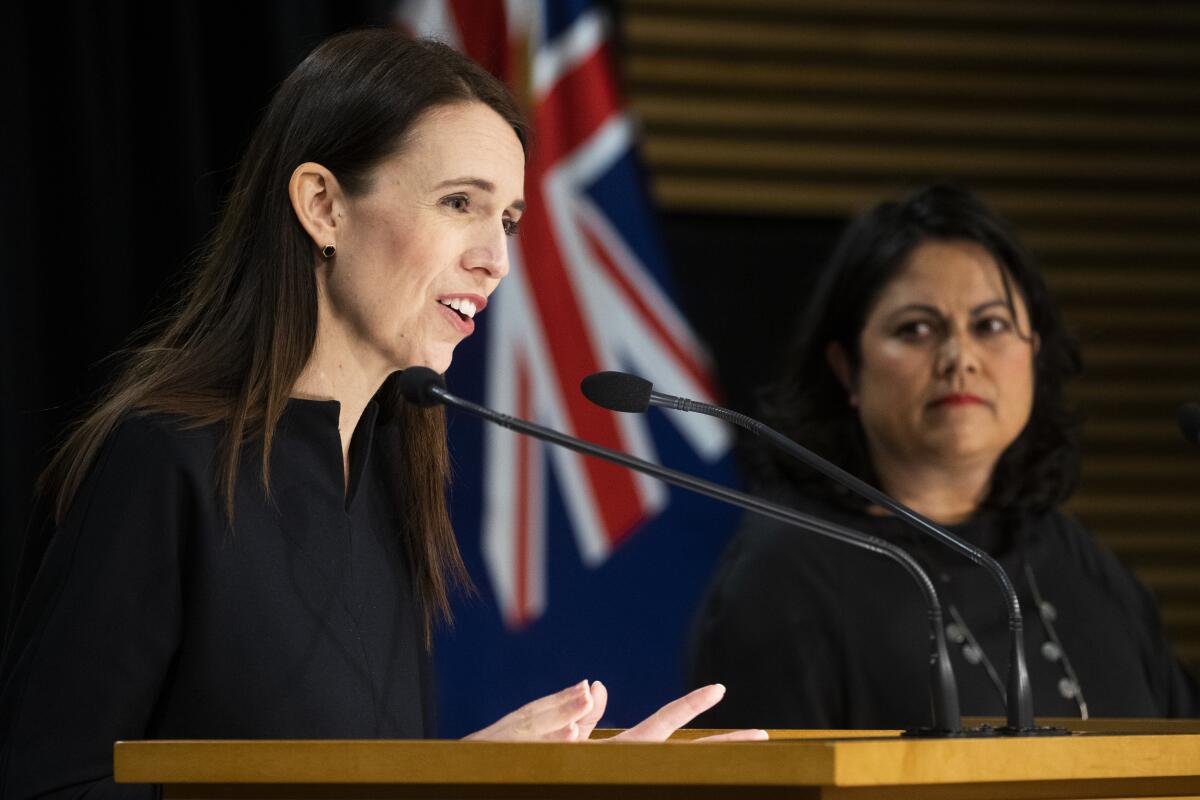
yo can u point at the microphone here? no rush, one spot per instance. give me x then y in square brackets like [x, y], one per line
[423, 387]
[620, 391]
[1189, 422]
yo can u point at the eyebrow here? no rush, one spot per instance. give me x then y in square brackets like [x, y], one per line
[478, 183]
[928, 309]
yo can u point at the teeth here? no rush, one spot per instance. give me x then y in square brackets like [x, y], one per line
[462, 306]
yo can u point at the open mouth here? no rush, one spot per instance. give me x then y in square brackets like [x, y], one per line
[464, 308]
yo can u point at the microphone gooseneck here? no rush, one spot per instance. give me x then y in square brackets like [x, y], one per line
[1019, 696]
[420, 384]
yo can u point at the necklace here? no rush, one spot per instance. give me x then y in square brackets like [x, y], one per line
[959, 632]
[1052, 648]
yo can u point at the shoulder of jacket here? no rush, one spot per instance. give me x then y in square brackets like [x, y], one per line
[163, 440]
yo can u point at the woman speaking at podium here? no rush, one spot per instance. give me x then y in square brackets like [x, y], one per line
[248, 535]
[931, 362]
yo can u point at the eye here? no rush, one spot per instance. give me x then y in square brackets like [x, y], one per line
[914, 330]
[458, 202]
[511, 226]
[990, 326]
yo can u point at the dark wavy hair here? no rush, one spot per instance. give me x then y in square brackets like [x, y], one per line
[1040, 469]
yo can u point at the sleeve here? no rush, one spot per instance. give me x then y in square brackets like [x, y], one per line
[95, 638]
[1174, 686]
[764, 631]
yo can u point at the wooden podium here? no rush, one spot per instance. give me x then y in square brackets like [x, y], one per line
[1111, 758]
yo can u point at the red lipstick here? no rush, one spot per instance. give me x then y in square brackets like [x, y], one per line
[462, 324]
[958, 399]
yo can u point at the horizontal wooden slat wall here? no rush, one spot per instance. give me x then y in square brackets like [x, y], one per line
[1080, 121]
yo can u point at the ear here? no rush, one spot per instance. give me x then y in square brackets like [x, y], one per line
[839, 362]
[316, 198]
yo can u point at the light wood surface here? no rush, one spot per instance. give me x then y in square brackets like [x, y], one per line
[1153, 759]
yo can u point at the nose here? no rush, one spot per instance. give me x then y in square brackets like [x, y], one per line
[956, 354]
[488, 252]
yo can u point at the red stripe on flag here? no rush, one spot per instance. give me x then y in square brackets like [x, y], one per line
[483, 28]
[575, 108]
[570, 113]
[697, 371]
[574, 355]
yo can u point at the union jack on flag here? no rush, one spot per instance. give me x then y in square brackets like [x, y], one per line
[587, 291]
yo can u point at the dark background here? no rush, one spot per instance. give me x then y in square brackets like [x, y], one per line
[123, 123]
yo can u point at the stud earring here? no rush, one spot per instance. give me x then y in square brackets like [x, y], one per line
[328, 251]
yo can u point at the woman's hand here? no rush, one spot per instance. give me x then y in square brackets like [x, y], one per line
[554, 718]
[659, 726]
[570, 716]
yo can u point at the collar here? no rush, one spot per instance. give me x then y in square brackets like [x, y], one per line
[312, 427]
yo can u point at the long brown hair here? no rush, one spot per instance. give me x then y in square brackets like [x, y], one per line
[230, 350]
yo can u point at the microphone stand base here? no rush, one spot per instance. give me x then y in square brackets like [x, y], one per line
[1036, 730]
[984, 731]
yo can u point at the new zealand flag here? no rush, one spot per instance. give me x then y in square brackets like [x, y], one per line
[585, 569]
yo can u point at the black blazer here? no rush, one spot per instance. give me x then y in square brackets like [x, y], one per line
[150, 618]
[806, 632]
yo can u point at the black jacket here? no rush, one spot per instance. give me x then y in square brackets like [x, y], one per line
[150, 618]
[806, 632]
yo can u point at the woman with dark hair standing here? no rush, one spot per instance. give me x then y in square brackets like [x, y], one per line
[930, 362]
[247, 537]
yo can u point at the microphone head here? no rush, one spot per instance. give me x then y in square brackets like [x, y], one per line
[618, 391]
[416, 385]
[1189, 422]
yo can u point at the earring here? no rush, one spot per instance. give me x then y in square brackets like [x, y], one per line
[328, 251]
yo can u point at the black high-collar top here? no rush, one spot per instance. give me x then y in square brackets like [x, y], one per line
[150, 618]
[807, 632]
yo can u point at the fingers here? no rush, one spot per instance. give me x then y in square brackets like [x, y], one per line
[674, 715]
[752, 735]
[572, 714]
[553, 717]
[552, 701]
[599, 701]
[567, 733]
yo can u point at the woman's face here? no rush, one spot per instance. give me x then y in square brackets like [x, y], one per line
[420, 251]
[946, 373]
